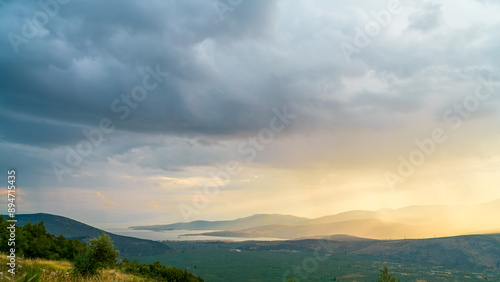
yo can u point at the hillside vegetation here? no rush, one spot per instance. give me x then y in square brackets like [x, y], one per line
[50, 270]
[72, 229]
[36, 255]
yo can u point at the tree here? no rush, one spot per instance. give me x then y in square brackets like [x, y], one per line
[157, 271]
[100, 253]
[291, 279]
[33, 241]
[103, 251]
[85, 265]
[385, 276]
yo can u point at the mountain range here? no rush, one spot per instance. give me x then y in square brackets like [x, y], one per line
[407, 222]
[241, 223]
[472, 252]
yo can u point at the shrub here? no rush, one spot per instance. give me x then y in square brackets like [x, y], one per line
[157, 271]
[385, 276]
[100, 253]
[85, 264]
[103, 251]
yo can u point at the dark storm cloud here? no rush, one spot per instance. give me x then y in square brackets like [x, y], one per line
[225, 77]
[29, 162]
[32, 130]
[91, 53]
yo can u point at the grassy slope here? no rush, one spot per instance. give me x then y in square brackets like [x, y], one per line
[48, 270]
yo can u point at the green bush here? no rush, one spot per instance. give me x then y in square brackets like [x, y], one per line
[385, 276]
[100, 253]
[85, 264]
[103, 251]
[158, 272]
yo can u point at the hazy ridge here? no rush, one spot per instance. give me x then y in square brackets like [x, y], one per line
[408, 222]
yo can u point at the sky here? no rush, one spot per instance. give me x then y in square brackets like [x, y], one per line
[165, 111]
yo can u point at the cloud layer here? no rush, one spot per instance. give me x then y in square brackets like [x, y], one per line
[226, 78]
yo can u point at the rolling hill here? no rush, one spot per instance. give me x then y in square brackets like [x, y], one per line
[72, 229]
[467, 251]
[458, 251]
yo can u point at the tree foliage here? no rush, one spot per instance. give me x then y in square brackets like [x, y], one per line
[385, 276]
[103, 251]
[85, 264]
[100, 253]
[158, 272]
[33, 241]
